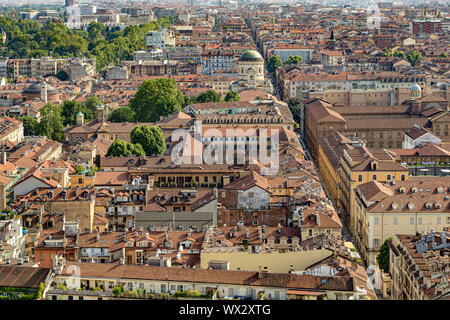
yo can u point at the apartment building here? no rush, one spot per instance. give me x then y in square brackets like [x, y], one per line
[217, 62]
[152, 68]
[11, 129]
[401, 207]
[299, 83]
[222, 283]
[419, 266]
[160, 38]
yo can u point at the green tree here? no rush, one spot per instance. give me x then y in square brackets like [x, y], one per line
[62, 75]
[414, 57]
[96, 31]
[387, 52]
[383, 256]
[79, 169]
[294, 60]
[443, 55]
[29, 124]
[400, 54]
[124, 114]
[70, 108]
[156, 98]
[208, 96]
[274, 63]
[51, 123]
[232, 96]
[294, 105]
[150, 138]
[120, 148]
[91, 104]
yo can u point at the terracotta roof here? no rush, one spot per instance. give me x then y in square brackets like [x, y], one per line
[103, 178]
[279, 280]
[22, 277]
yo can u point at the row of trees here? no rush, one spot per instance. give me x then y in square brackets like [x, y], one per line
[27, 39]
[275, 62]
[413, 56]
[158, 98]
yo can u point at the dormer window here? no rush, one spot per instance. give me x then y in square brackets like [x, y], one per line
[374, 166]
[437, 206]
[428, 205]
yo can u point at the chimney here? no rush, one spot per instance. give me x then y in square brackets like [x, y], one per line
[317, 219]
[279, 228]
[259, 272]
[3, 157]
[393, 180]
[44, 92]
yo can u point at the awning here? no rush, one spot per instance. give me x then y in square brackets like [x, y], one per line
[305, 293]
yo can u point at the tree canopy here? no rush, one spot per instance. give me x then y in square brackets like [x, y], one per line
[232, 96]
[124, 114]
[414, 57]
[294, 105]
[274, 63]
[294, 60]
[383, 256]
[29, 123]
[120, 148]
[156, 98]
[51, 122]
[27, 39]
[208, 96]
[150, 138]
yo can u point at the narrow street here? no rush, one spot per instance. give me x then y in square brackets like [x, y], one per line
[345, 230]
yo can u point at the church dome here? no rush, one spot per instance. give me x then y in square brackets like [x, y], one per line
[35, 89]
[415, 87]
[251, 56]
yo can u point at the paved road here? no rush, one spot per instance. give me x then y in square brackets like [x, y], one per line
[345, 231]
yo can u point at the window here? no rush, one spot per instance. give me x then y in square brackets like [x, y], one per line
[374, 177]
[411, 220]
[419, 221]
[403, 177]
[438, 220]
[377, 220]
[395, 220]
[376, 243]
[388, 177]
[310, 232]
[360, 177]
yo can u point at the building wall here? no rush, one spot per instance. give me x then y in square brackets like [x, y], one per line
[372, 229]
[253, 198]
[275, 261]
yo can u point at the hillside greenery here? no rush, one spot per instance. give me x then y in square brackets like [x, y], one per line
[27, 39]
